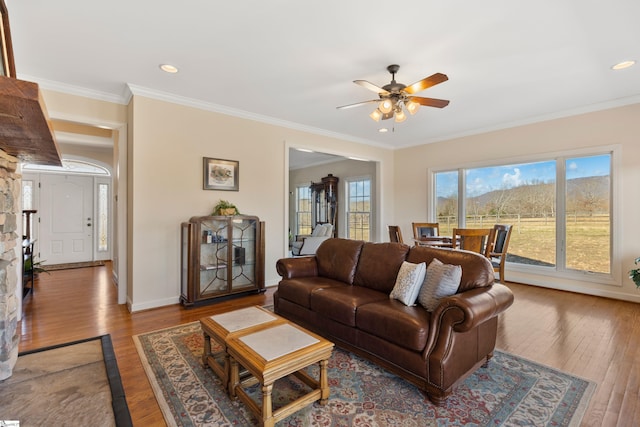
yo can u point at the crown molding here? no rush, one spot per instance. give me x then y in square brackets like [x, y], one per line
[601, 106]
[136, 90]
[76, 90]
[130, 90]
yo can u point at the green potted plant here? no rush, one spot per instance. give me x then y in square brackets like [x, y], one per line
[635, 274]
[225, 207]
[37, 267]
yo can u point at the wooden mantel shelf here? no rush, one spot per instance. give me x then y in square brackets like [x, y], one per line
[25, 129]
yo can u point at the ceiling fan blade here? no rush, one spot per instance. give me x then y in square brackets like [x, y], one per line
[430, 102]
[357, 104]
[367, 85]
[425, 83]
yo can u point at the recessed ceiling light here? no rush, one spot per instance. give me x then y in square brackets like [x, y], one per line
[624, 64]
[383, 130]
[168, 68]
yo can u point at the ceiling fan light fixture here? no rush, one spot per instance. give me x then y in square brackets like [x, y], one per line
[394, 98]
[412, 107]
[385, 106]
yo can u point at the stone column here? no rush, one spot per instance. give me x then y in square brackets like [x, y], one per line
[10, 264]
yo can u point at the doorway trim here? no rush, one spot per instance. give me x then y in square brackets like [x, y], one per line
[378, 194]
[119, 186]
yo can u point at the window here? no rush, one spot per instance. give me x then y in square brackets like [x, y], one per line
[69, 166]
[103, 217]
[27, 205]
[27, 194]
[588, 213]
[560, 209]
[303, 210]
[447, 201]
[359, 209]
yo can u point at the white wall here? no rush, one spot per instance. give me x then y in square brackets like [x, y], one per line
[168, 142]
[610, 127]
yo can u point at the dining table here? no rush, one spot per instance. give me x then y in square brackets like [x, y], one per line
[436, 241]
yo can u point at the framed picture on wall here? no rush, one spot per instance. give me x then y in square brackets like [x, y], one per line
[220, 174]
[7, 65]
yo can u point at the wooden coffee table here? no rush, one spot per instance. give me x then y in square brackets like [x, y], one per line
[274, 351]
[219, 326]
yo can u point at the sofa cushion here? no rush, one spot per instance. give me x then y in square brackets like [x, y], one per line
[337, 259]
[408, 282]
[395, 322]
[299, 290]
[477, 271]
[341, 303]
[379, 265]
[442, 280]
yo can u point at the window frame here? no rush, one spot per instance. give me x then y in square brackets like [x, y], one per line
[347, 210]
[560, 270]
[297, 212]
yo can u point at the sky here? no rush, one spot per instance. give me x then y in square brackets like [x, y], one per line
[483, 180]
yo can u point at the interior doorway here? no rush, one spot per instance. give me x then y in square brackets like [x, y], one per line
[73, 219]
[306, 167]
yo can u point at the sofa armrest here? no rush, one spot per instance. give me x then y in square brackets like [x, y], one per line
[290, 268]
[465, 311]
[479, 305]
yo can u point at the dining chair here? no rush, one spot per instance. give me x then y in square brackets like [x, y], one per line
[472, 239]
[395, 235]
[428, 234]
[425, 229]
[497, 248]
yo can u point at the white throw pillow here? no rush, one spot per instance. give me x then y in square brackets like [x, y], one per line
[408, 282]
[442, 280]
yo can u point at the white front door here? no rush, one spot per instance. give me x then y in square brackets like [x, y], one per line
[66, 223]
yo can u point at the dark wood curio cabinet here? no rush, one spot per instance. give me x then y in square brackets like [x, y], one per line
[221, 256]
[324, 196]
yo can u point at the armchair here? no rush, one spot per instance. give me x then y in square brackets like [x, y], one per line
[307, 245]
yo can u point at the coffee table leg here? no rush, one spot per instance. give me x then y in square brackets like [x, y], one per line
[207, 349]
[324, 382]
[267, 408]
[227, 370]
[234, 377]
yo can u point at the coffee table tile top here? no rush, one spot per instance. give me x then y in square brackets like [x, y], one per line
[243, 318]
[278, 341]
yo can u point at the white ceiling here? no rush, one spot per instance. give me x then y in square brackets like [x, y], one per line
[292, 62]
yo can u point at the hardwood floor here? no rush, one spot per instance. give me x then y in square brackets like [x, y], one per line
[591, 337]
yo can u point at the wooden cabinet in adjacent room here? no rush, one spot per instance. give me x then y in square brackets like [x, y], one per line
[221, 256]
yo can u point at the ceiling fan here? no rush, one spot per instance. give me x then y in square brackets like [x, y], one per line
[394, 95]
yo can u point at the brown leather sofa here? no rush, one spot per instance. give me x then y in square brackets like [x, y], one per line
[343, 292]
